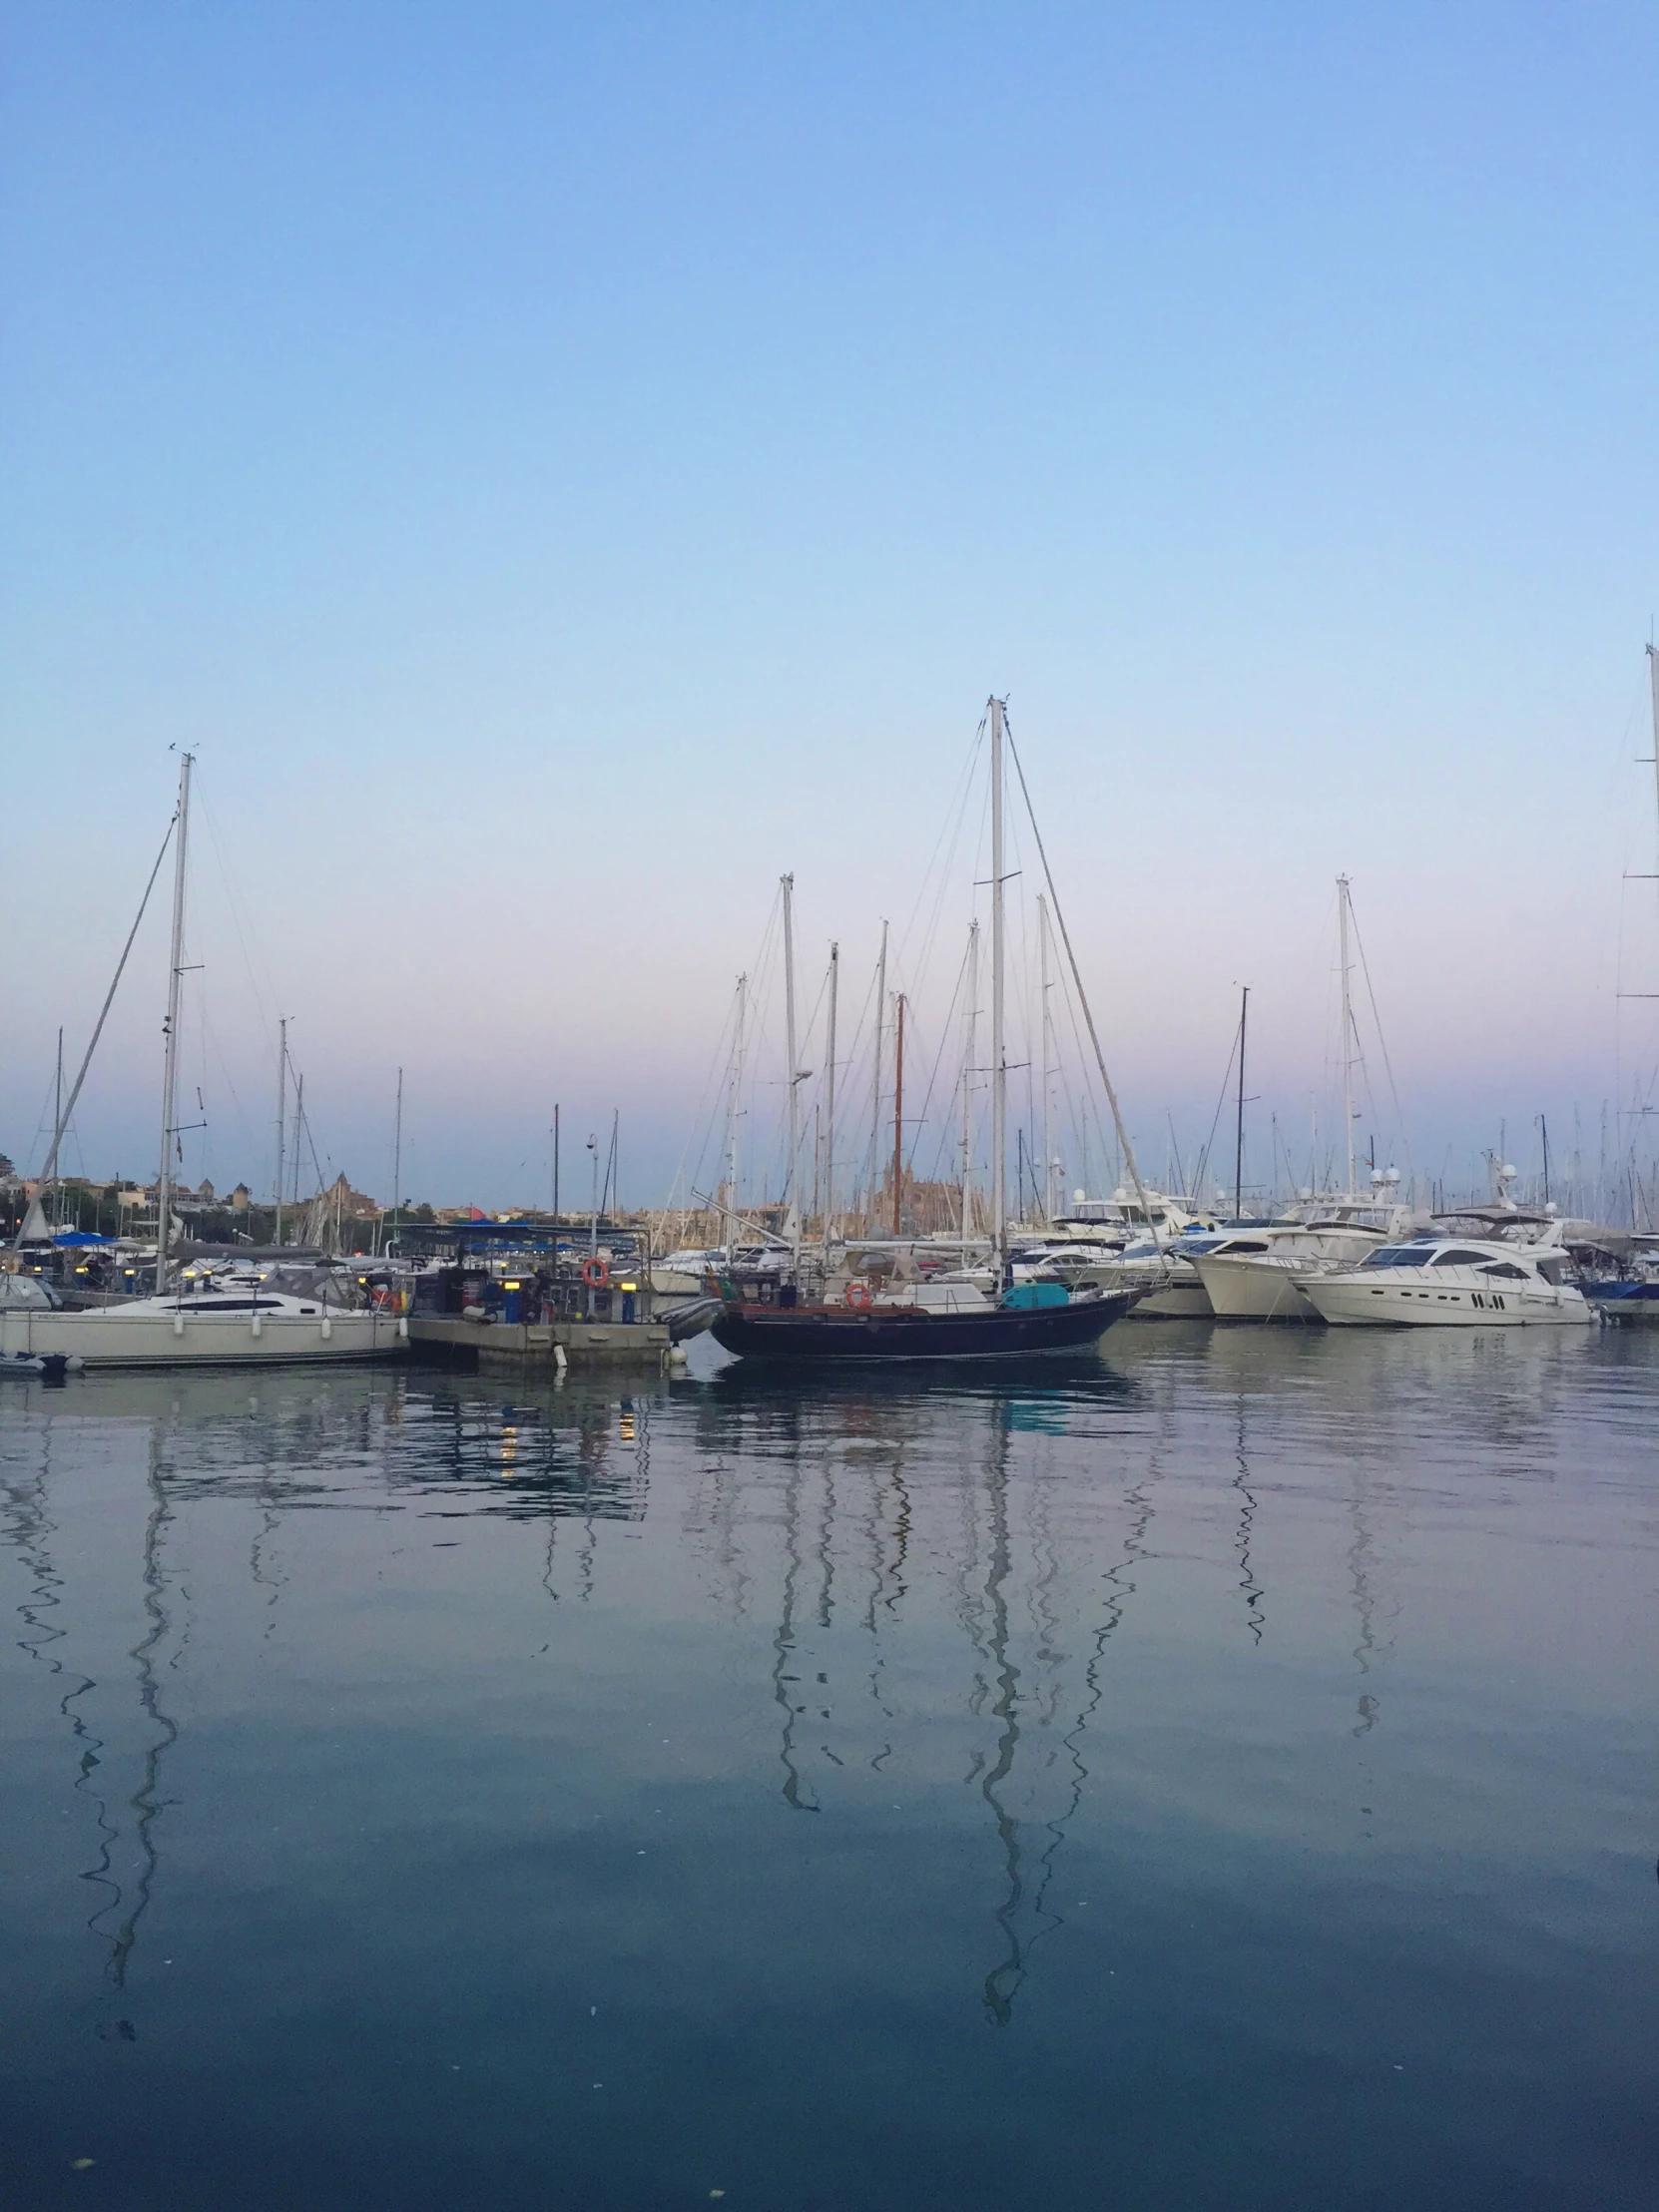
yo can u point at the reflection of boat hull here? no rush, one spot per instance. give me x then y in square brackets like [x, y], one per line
[903, 1333]
[126, 1336]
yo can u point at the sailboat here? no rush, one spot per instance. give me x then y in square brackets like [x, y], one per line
[936, 1321]
[1264, 1276]
[240, 1320]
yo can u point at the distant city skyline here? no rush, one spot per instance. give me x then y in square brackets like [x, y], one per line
[559, 472]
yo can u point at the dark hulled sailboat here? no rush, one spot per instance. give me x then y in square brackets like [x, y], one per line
[1019, 1324]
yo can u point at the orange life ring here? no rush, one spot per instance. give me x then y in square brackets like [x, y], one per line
[595, 1273]
[857, 1294]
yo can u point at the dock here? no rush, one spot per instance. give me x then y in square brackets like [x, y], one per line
[489, 1346]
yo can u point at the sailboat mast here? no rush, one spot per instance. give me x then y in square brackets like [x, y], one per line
[1347, 1032]
[1238, 1153]
[169, 1069]
[876, 1100]
[731, 1109]
[397, 1154]
[57, 1123]
[999, 1070]
[792, 1074]
[299, 1129]
[899, 1119]
[1048, 1149]
[281, 1115]
[967, 1084]
[1653, 680]
[830, 1107]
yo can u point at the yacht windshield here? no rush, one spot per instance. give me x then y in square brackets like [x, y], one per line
[1398, 1255]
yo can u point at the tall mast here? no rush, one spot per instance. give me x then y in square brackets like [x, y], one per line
[793, 1076]
[967, 1083]
[1347, 1032]
[876, 1100]
[732, 1108]
[397, 1154]
[1238, 1154]
[170, 1070]
[830, 1107]
[298, 1126]
[281, 1114]
[1653, 679]
[1048, 1149]
[1000, 1069]
[57, 1123]
[899, 1119]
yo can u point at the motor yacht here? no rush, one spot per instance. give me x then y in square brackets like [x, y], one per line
[1166, 1273]
[1267, 1284]
[1441, 1281]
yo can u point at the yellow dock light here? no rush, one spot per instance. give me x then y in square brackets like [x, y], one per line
[627, 1286]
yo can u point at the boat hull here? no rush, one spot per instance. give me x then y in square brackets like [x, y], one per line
[1625, 1301]
[124, 1337]
[1254, 1290]
[1420, 1301]
[877, 1333]
[1161, 1294]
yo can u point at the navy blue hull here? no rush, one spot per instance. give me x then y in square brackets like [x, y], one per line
[896, 1332]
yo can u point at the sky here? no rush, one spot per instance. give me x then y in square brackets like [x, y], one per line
[559, 470]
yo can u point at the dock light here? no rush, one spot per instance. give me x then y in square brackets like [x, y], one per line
[512, 1286]
[627, 1286]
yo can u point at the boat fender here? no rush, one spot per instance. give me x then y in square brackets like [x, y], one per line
[595, 1273]
[177, 1325]
[859, 1295]
[328, 1327]
[403, 1325]
[258, 1323]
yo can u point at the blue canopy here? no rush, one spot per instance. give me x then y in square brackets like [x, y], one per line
[80, 1237]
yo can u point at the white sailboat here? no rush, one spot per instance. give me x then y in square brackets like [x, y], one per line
[1268, 1280]
[201, 1320]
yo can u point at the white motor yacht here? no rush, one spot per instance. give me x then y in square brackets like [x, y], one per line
[1167, 1273]
[1450, 1282]
[1268, 1284]
[212, 1320]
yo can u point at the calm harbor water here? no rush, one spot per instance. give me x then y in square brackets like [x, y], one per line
[1216, 1774]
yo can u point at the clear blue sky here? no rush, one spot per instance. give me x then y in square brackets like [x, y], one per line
[563, 466]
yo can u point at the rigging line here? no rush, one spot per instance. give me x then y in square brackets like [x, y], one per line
[947, 1132]
[231, 901]
[1080, 1119]
[958, 811]
[1088, 1013]
[1365, 970]
[62, 1120]
[703, 1099]
[1202, 1168]
[940, 875]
